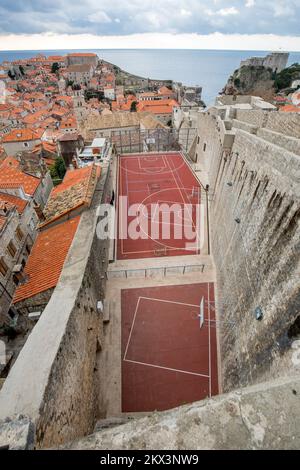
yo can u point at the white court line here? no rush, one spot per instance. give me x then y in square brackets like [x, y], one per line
[170, 170]
[162, 222]
[183, 200]
[191, 216]
[159, 158]
[209, 345]
[132, 325]
[131, 330]
[138, 156]
[120, 220]
[153, 170]
[158, 168]
[168, 301]
[166, 368]
[152, 251]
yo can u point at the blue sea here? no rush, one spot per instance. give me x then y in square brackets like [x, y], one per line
[207, 68]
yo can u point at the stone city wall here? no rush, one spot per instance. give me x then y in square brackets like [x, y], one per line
[55, 380]
[292, 144]
[264, 416]
[255, 235]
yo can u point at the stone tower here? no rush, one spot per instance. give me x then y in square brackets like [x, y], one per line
[80, 108]
[62, 86]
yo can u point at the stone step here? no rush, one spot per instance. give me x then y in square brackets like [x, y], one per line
[160, 267]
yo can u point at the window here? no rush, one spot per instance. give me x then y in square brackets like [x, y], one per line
[19, 233]
[198, 140]
[3, 267]
[204, 147]
[26, 144]
[11, 249]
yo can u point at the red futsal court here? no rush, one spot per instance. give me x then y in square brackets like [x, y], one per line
[155, 182]
[169, 349]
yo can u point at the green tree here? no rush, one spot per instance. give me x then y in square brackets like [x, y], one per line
[60, 167]
[284, 78]
[21, 68]
[133, 107]
[55, 67]
[11, 75]
[58, 170]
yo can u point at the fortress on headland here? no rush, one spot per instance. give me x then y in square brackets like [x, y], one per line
[246, 155]
[277, 61]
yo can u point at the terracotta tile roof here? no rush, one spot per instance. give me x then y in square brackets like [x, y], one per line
[56, 58]
[131, 97]
[19, 203]
[11, 177]
[111, 121]
[82, 54]
[10, 162]
[68, 123]
[77, 189]
[289, 108]
[5, 107]
[148, 121]
[165, 91]
[49, 161]
[6, 205]
[158, 106]
[73, 177]
[65, 98]
[47, 258]
[45, 146]
[21, 135]
[68, 136]
[35, 117]
[2, 221]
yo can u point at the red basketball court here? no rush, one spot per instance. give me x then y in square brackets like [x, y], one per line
[150, 181]
[169, 349]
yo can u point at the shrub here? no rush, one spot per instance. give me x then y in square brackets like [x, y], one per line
[58, 170]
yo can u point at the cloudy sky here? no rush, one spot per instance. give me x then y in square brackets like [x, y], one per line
[231, 24]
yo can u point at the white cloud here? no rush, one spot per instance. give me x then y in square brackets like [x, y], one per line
[50, 41]
[136, 16]
[99, 17]
[283, 8]
[185, 12]
[223, 12]
[228, 11]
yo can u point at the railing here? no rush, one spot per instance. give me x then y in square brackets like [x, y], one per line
[152, 140]
[160, 271]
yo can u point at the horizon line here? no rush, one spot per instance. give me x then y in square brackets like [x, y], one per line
[148, 49]
[150, 41]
